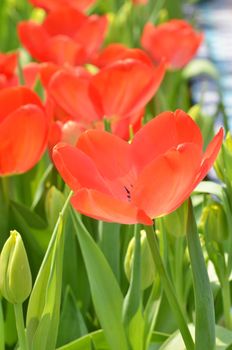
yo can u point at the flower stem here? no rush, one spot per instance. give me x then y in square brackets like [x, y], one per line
[226, 299]
[168, 288]
[2, 340]
[20, 326]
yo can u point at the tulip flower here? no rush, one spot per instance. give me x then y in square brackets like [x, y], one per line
[119, 93]
[23, 130]
[128, 183]
[65, 36]
[175, 41]
[50, 5]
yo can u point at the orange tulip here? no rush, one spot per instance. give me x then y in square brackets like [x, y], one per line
[66, 36]
[50, 5]
[23, 130]
[175, 41]
[132, 183]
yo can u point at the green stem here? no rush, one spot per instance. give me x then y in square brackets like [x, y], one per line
[168, 288]
[2, 340]
[20, 326]
[226, 299]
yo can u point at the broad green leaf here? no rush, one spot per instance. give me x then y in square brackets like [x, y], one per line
[106, 294]
[109, 242]
[44, 303]
[204, 304]
[84, 343]
[72, 323]
[210, 187]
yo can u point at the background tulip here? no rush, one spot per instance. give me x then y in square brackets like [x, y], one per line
[23, 130]
[175, 41]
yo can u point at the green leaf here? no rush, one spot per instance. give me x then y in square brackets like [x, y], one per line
[97, 338]
[72, 324]
[44, 303]
[210, 187]
[223, 340]
[53, 204]
[204, 304]
[106, 294]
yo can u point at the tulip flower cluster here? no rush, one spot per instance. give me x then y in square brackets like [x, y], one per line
[95, 104]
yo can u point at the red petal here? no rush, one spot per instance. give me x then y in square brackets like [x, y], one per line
[35, 39]
[23, 139]
[8, 63]
[77, 169]
[166, 182]
[210, 155]
[91, 34]
[64, 21]
[62, 49]
[70, 92]
[115, 52]
[13, 98]
[103, 207]
[125, 87]
[165, 131]
[52, 5]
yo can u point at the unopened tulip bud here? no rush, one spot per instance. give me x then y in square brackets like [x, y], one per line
[147, 264]
[214, 222]
[224, 160]
[176, 222]
[15, 274]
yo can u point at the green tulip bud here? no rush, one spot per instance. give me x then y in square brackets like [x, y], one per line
[176, 222]
[213, 222]
[147, 264]
[15, 274]
[223, 162]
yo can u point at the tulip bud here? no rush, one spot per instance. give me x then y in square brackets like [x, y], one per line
[214, 222]
[224, 160]
[147, 264]
[15, 274]
[176, 222]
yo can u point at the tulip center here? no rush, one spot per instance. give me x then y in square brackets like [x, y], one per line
[128, 193]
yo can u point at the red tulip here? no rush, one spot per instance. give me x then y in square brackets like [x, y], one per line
[66, 36]
[132, 183]
[23, 130]
[51, 5]
[140, 2]
[118, 93]
[175, 41]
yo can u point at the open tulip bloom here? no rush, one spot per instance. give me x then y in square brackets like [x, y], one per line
[117, 181]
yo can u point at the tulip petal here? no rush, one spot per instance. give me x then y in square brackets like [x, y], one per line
[23, 136]
[166, 182]
[103, 207]
[64, 21]
[77, 169]
[70, 92]
[110, 153]
[210, 154]
[125, 87]
[34, 38]
[13, 98]
[62, 49]
[165, 131]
